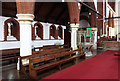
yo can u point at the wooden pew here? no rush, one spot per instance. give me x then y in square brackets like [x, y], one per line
[37, 52]
[54, 46]
[55, 61]
[47, 52]
[39, 48]
[24, 67]
[51, 51]
[48, 47]
[10, 55]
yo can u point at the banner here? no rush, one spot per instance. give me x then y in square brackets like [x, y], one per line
[89, 32]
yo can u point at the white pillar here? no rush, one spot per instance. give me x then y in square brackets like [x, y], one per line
[118, 23]
[46, 31]
[25, 21]
[74, 29]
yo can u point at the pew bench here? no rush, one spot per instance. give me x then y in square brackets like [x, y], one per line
[24, 67]
[9, 56]
[54, 60]
[48, 47]
[50, 50]
[54, 46]
[60, 50]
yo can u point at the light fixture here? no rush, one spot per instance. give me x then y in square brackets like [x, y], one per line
[97, 11]
[75, 20]
[68, 22]
[89, 13]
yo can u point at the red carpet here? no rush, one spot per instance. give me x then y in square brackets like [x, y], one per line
[102, 66]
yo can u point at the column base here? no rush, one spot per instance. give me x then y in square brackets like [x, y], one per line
[25, 61]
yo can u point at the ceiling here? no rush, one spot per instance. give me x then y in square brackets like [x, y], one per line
[51, 12]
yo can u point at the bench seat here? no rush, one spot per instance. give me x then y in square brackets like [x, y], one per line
[57, 61]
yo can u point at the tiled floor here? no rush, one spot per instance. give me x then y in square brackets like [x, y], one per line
[11, 74]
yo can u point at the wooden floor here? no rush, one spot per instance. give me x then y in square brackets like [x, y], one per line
[9, 73]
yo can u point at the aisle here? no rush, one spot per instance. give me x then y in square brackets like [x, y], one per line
[102, 66]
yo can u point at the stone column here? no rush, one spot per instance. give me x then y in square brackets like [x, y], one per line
[25, 21]
[118, 23]
[25, 15]
[118, 28]
[74, 29]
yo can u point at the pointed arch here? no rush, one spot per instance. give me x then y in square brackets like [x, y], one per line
[39, 29]
[53, 32]
[15, 29]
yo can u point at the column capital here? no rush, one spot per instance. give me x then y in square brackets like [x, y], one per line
[94, 29]
[25, 18]
[73, 26]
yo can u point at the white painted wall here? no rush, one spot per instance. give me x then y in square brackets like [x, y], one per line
[117, 8]
[9, 45]
[35, 43]
[46, 29]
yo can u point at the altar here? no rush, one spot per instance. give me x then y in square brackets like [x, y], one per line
[87, 43]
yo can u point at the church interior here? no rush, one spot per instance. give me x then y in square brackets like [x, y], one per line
[60, 40]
